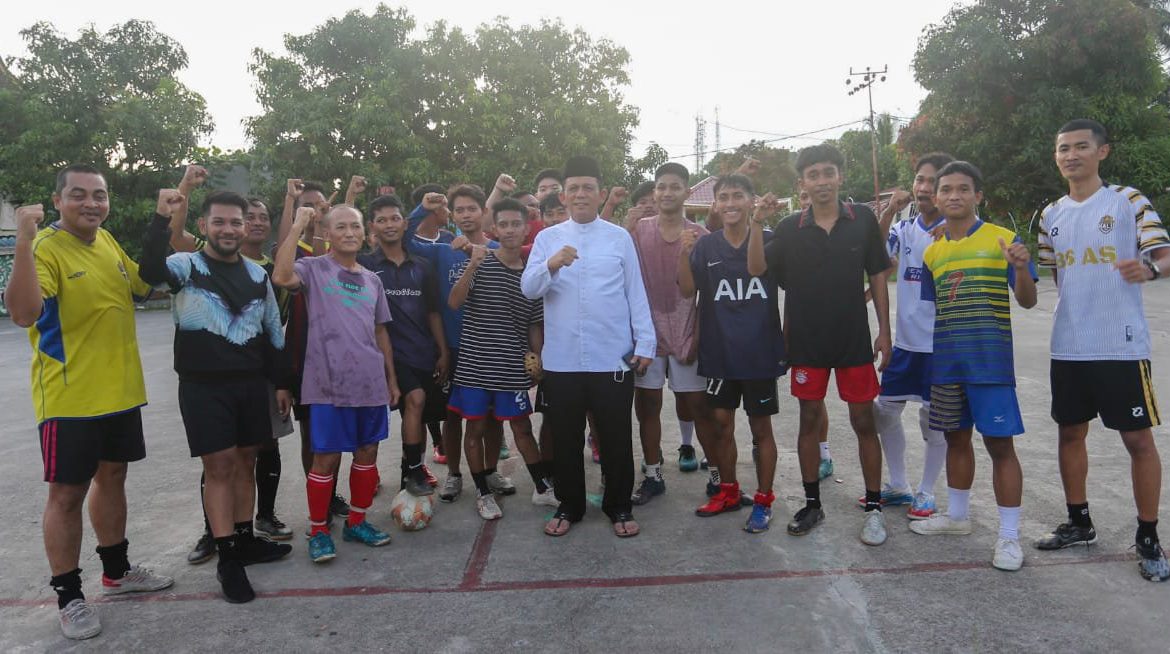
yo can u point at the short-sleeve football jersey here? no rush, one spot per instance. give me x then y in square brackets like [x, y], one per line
[1099, 316]
[970, 289]
[907, 243]
[85, 360]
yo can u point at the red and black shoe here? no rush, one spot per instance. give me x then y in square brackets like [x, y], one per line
[727, 499]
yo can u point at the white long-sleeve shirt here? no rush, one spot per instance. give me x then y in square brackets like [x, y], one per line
[595, 310]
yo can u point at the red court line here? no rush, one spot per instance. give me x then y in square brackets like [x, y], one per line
[477, 561]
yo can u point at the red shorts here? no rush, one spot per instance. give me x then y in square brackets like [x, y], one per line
[855, 384]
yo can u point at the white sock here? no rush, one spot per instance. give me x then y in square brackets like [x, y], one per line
[1009, 522]
[957, 503]
[825, 456]
[888, 419]
[687, 429]
[935, 456]
[654, 471]
[714, 474]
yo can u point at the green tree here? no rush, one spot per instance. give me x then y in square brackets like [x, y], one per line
[776, 175]
[362, 95]
[107, 99]
[1003, 75]
[857, 146]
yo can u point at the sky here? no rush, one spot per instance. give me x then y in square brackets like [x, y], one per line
[772, 69]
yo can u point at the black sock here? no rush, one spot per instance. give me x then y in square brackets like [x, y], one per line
[873, 500]
[226, 546]
[812, 494]
[412, 454]
[67, 586]
[436, 430]
[489, 471]
[534, 469]
[1078, 515]
[244, 530]
[202, 485]
[267, 480]
[1147, 531]
[115, 563]
[481, 484]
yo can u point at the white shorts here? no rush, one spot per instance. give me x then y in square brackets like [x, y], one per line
[684, 377]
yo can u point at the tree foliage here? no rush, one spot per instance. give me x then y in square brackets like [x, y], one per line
[857, 146]
[1003, 75]
[361, 94]
[108, 99]
[776, 175]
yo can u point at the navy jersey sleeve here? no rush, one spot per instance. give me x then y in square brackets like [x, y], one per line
[926, 291]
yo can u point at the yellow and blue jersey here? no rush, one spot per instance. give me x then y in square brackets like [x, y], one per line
[971, 291]
[85, 360]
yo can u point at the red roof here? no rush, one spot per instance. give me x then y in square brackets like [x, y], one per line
[702, 194]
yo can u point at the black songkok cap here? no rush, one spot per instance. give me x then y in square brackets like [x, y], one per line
[582, 167]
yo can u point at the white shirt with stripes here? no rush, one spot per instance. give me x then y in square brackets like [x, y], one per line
[1099, 316]
[907, 242]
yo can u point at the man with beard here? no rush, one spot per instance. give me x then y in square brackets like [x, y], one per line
[227, 331]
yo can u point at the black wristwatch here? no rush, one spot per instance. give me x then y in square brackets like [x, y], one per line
[1153, 268]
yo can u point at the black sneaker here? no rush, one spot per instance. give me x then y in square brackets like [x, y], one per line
[1067, 535]
[262, 550]
[234, 581]
[648, 490]
[804, 521]
[203, 551]
[339, 507]
[1152, 565]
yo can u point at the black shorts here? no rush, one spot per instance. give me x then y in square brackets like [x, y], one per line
[1121, 392]
[759, 396]
[412, 379]
[224, 414]
[72, 447]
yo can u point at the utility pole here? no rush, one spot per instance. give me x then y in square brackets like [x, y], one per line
[868, 78]
[718, 144]
[700, 141]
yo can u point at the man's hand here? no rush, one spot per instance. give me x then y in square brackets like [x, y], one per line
[193, 178]
[169, 200]
[1134, 271]
[434, 201]
[460, 243]
[766, 207]
[617, 195]
[564, 257]
[1017, 254]
[304, 216]
[640, 365]
[533, 365]
[749, 167]
[357, 186]
[478, 252]
[883, 347]
[284, 402]
[899, 201]
[505, 184]
[28, 219]
[442, 364]
[395, 394]
[689, 238]
[294, 188]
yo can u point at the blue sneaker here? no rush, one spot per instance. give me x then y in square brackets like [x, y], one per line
[1152, 564]
[759, 520]
[892, 497]
[922, 508]
[686, 458]
[505, 453]
[321, 548]
[366, 533]
[825, 469]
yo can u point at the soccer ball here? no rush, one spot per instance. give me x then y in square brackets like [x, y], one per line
[412, 513]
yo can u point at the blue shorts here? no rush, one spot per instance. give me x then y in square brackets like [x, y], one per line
[991, 408]
[907, 377]
[347, 428]
[477, 403]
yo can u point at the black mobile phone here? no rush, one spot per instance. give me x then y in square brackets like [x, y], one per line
[628, 362]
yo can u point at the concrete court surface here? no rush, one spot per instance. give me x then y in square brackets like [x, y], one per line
[686, 584]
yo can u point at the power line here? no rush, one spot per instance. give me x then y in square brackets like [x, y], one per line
[779, 137]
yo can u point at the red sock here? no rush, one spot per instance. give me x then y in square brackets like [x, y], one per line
[319, 488]
[764, 500]
[363, 479]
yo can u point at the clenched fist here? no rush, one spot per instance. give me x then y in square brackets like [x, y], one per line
[28, 218]
[169, 200]
[564, 257]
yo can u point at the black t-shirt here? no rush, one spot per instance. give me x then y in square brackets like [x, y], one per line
[823, 277]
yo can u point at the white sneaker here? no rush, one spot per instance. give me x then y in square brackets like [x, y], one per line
[1008, 555]
[452, 487]
[500, 485]
[137, 580]
[79, 621]
[547, 498]
[941, 523]
[873, 530]
[487, 507]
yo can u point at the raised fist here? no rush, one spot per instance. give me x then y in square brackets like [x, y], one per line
[28, 218]
[434, 201]
[749, 167]
[169, 200]
[294, 188]
[460, 243]
[193, 178]
[900, 200]
[478, 252]
[505, 184]
[689, 237]
[564, 257]
[617, 195]
[304, 216]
